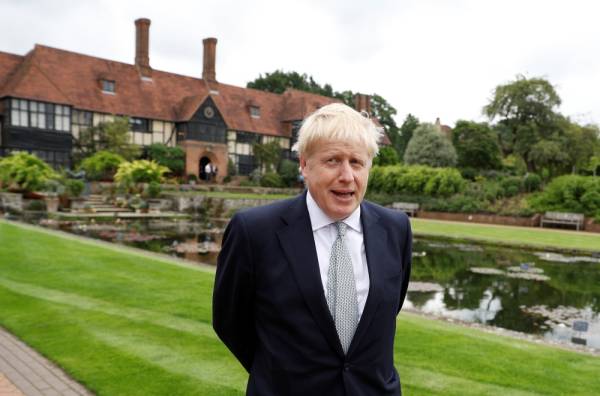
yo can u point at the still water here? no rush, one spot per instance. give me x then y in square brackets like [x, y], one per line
[555, 296]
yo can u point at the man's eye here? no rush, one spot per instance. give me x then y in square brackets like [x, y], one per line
[332, 160]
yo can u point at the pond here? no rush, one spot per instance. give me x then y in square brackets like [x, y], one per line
[552, 295]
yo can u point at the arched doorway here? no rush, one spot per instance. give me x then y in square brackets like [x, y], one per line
[204, 161]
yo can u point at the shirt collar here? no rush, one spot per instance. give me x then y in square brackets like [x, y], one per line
[318, 218]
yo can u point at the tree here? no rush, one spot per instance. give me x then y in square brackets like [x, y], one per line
[526, 109]
[476, 145]
[110, 136]
[550, 155]
[171, 157]
[387, 156]
[279, 81]
[580, 143]
[268, 155]
[405, 133]
[429, 147]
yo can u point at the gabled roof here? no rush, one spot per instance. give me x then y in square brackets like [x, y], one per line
[9, 63]
[54, 75]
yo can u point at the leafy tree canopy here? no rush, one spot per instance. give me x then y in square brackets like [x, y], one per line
[171, 157]
[525, 109]
[405, 133]
[268, 155]
[387, 156]
[429, 147]
[279, 81]
[110, 136]
[524, 100]
[476, 145]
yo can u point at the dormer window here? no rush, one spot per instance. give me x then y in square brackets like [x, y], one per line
[108, 86]
[254, 111]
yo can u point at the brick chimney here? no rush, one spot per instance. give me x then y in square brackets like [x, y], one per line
[142, 38]
[362, 103]
[210, 50]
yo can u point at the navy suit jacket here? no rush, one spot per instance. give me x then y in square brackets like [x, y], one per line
[269, 306]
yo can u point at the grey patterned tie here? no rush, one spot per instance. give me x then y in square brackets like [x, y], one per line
[341, 289]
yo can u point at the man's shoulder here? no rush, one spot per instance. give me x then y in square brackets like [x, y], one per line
[270, 212]
[385, 213]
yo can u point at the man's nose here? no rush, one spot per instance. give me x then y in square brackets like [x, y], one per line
[346, 171]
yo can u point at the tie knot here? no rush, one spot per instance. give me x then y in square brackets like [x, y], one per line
[341, 228]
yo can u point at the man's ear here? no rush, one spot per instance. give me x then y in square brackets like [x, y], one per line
[302, 164]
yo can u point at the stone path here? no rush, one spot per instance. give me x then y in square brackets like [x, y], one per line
[23, 371]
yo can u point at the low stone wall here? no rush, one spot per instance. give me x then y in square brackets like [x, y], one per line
[533, 221]
[224, 205]
[11, 201]
[591, 226]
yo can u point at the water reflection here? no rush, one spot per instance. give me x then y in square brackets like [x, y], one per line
[534, 292]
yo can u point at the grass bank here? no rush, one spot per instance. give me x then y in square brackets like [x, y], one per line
[124, 323]
[510, 235]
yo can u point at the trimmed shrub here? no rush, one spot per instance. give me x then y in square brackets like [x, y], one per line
[271, 179]
[153, 190]
[511, 185]
[36, 205]
[24, 171]
[74, 187]
[140, 171]
[171, 157]
[569, 193]
[417, 179]
[532, 182]
[101, 166]
[289, 172]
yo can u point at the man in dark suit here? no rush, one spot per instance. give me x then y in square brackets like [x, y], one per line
[307, 290]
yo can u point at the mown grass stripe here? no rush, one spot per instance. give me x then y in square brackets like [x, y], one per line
[92, 304]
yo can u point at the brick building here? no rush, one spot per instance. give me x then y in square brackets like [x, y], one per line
[49, 95]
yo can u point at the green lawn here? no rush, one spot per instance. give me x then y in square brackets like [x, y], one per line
[519, 236]
[125, 323]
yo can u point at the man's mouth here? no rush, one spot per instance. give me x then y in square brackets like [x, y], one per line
[343, 194]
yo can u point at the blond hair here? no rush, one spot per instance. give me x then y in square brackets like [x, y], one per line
[337, 121]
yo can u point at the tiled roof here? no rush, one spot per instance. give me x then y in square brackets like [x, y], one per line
[59, 76]
[8, 65]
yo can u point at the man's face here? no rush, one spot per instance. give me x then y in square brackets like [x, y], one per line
[336, 174]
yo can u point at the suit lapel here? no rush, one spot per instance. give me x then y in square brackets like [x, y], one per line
[298, 243]
[375, 239]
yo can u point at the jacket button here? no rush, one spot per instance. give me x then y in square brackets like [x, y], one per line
[347, 366]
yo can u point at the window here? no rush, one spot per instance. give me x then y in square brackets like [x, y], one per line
[246, 137]
[62, 118]
[29, 113]
[19, 115]
[139, 124]
[254, 111]
[38, 114]
[108, 86]
[82, 118]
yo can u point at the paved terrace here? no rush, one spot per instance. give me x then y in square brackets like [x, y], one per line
[23, 371]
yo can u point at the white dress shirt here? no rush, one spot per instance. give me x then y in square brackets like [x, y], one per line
[325, 233]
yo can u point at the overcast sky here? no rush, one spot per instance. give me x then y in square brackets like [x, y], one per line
[431, 58]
